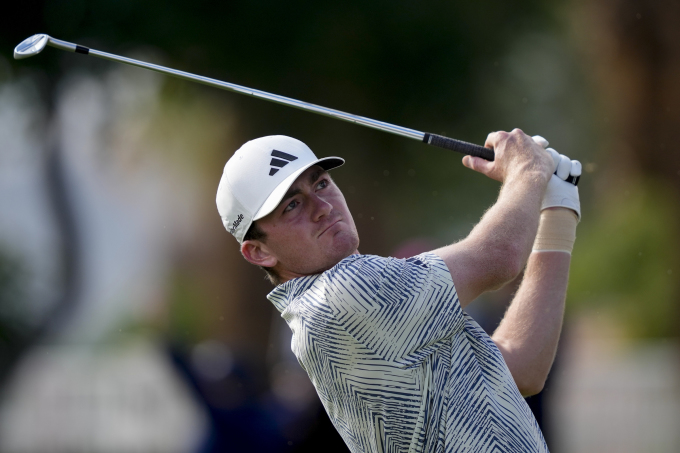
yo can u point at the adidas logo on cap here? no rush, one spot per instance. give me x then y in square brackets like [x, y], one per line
[283, 160]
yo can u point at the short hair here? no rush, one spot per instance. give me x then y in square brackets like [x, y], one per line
[254, 233]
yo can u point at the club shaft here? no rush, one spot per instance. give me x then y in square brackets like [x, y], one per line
[430, 139]
[368, 122]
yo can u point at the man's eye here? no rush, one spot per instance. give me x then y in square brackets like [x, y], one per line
[290, 206]
[322, 184]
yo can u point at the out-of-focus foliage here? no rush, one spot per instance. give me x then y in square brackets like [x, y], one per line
[626, 260]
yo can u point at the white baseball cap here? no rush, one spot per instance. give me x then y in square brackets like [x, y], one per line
[257, 177]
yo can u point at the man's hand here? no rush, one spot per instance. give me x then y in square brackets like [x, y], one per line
[498, 247]
[562, 194]
[516, 154]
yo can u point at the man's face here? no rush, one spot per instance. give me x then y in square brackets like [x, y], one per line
[311, 230]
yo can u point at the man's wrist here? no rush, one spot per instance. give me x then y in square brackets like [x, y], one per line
[532, 177]
[556, 230]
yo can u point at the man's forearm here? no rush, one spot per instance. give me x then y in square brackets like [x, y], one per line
[498, 246]
[529, 333]
[512, 222]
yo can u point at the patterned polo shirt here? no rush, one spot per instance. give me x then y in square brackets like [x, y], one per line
[398, 365]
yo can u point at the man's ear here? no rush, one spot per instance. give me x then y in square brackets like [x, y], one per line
[256, 252]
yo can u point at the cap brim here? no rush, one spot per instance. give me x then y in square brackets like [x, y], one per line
[327, 163]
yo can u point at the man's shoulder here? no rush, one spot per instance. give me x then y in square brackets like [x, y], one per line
[357, 271]
[373, 273]
[361, 276]
[359, 264]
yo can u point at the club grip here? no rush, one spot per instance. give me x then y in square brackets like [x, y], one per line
[459, 146]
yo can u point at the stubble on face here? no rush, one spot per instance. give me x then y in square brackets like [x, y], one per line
[312, 229]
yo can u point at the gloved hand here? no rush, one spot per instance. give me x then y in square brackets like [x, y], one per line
[562, 191]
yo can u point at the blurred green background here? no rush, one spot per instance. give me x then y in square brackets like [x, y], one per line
[128, 319]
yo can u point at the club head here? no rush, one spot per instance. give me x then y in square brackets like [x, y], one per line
[31, 46]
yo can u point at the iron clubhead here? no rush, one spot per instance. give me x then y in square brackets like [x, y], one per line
[31, 46]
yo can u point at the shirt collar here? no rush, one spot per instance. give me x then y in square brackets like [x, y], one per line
[283, 294]
[286, 292]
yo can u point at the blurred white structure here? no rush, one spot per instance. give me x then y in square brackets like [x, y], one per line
[131, 163]
[106, 399]
[615, 396]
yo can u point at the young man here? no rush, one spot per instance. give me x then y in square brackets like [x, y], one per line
[397, 363]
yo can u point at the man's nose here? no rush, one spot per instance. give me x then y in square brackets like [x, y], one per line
[321, 207]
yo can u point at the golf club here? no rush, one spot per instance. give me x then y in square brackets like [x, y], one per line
[36, 43]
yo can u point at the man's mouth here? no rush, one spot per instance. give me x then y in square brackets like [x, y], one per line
[328, 227]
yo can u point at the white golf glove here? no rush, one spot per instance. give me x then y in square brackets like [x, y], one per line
[562, 191]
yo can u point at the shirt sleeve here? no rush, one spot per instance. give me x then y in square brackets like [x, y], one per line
[401, 309]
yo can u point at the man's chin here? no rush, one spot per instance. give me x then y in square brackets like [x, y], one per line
[345, 243]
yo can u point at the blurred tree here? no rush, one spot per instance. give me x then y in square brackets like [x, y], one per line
[634, 50]
[628, 259]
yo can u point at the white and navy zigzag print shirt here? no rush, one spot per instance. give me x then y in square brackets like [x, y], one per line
[398, 365]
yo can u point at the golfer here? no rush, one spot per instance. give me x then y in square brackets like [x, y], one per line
[397, 363]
